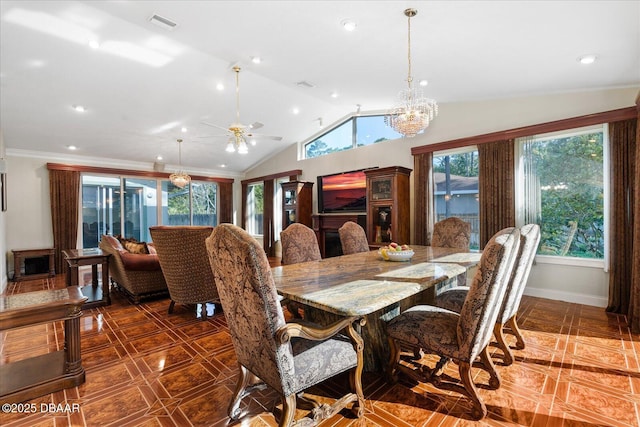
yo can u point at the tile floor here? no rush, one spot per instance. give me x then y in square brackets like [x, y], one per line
[147, 368]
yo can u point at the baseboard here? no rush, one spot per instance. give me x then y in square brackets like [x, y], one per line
[567, 297]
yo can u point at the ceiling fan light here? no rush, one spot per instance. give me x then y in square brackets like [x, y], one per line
[242, 147]
[230, 147]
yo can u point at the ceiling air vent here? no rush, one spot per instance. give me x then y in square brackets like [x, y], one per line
[305, 83]
[163, 22]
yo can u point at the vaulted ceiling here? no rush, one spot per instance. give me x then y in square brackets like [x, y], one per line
[144, 82]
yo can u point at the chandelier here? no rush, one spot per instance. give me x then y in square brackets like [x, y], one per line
[180, 179]
[413, 111]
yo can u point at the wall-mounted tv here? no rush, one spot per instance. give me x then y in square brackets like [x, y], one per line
[342, 192]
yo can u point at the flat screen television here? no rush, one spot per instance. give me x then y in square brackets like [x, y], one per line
[342, 192]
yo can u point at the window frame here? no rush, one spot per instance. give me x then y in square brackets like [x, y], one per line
[600, 263]
[353, 118]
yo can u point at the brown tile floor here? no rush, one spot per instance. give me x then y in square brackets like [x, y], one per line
[147, 368]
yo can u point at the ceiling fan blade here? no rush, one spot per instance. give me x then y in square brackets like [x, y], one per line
[256, 125]
[215, 126]
[261, 136]
[211, 136]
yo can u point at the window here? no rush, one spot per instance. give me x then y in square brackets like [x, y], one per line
[354, 132]
[455, 176]
[561, 184]
[140, 207]
[255, 208]
[129, 206]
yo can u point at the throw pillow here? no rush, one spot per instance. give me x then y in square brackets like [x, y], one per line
[136, 247]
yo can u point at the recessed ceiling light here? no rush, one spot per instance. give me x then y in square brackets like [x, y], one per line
[93, 44]
[79, 108]
[587, 59]
[256, 59]
[158, 157]
[348, 24]
[223, 165]
[220, 86]
[72, 147]
[295, 110]
[423, 82]
[334, 94]
[183, 129]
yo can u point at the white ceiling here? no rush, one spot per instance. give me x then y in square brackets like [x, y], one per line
[467, 50]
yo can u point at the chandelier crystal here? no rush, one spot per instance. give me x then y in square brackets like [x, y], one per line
[179, 178]
[413, 111]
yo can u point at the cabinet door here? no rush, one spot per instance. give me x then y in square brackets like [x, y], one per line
[381, 188]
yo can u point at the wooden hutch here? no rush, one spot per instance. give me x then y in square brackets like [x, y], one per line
[296, 203]
[388, 206]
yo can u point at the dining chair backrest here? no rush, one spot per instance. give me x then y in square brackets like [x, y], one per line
[529, 240]
[353, 238]
[451, 232]
[480, 309]
[299, 244]
[251, 305]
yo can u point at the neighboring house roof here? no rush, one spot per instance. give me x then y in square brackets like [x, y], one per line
[458, 184]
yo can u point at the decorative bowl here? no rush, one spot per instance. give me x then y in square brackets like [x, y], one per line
[397, 256]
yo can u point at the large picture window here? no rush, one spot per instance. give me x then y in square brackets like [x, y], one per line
[128, 206]
[561, 187]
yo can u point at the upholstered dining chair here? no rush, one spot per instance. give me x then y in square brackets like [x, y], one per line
[453, 299]
[353, 238]
[185, 264]
[451, 232]
[461, 337]
[299, 244]
[288, 357]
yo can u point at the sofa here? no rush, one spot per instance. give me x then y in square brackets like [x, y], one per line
[134, 271]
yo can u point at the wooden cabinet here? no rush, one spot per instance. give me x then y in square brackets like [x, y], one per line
[296, 203]
[388, 205]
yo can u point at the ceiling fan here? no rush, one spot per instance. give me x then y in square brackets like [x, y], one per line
[239, 133]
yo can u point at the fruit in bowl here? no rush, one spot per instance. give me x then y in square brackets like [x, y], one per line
[395, 252]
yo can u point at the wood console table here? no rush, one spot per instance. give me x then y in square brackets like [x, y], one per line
[40, 375]
[98, 292]
[19, 257]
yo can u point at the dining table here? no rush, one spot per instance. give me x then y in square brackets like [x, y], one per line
[366, 285]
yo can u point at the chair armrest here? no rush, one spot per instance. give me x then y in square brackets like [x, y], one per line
[302, 329]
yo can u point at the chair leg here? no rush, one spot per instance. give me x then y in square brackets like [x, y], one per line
[243, 380]
[502, 343]
[288, 410]
[479, 409]
[171, 305]
[394, 359]
[515, 329]
[494, 379]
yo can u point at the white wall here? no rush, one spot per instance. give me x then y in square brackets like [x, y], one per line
[581, 284]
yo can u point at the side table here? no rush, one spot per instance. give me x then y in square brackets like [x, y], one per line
[98, 292]
[36, 376]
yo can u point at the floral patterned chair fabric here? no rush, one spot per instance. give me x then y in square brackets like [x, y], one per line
[289, 357]
[299, 244]
[185, 264]
[461, 337]
[451, 233]
[453, 299]
[353, 238]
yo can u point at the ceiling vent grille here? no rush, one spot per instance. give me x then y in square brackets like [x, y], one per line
[305, 83]
[163, 22]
